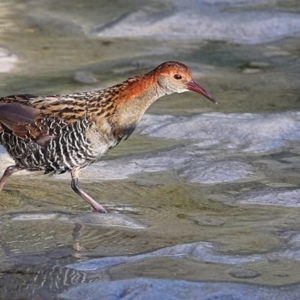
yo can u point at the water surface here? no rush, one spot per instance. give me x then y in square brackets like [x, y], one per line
[200, 192]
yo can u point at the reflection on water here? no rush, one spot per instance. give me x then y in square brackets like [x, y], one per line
[198, 187]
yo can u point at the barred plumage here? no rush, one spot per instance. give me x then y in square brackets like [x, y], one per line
[63, 133]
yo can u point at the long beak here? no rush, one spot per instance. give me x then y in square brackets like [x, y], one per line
[194, 86]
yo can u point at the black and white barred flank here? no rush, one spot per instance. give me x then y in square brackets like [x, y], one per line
[69, 148]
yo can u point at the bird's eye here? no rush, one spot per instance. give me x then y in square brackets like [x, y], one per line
[177, 76]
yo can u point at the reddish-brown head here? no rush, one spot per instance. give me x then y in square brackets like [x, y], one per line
[175, 77]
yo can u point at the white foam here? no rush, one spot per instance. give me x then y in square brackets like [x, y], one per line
[277, 197]
[248, 132]
[193, 168]
[218, 172]
[122, 168]
[7, 60]
[203, 22]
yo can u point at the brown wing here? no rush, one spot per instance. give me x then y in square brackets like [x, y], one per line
[37, 118]
[19, 116]
[16, 116]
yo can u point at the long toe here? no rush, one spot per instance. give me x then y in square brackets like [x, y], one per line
[101, 210]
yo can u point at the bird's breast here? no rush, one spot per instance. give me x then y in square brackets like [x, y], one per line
[101, 138]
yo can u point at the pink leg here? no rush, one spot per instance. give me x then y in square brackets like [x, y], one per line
[95, 205]
[9, 171]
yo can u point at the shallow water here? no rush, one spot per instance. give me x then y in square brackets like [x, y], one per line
[200, 193]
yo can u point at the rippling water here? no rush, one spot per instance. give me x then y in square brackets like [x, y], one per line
[199, 192]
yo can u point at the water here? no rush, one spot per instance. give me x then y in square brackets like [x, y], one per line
[203, 198]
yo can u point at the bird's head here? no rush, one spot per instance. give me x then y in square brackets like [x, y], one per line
[175, 77]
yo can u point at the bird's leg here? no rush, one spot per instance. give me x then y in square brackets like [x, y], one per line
[7, 173]
[95, 205]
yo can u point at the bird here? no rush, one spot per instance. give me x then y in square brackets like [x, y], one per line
[66, 133]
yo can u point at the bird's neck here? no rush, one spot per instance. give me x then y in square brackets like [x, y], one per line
[135, 99]
[122, 106]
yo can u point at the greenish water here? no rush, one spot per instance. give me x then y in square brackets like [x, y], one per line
[52, 46]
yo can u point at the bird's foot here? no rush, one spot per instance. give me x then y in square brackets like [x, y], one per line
[100, 210]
